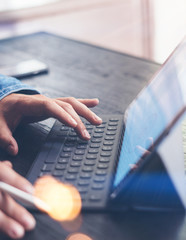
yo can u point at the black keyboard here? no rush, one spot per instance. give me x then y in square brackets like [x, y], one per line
[88, 165]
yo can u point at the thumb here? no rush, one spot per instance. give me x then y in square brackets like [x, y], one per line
[7, 141]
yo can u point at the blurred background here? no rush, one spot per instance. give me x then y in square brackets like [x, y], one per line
[145, 28]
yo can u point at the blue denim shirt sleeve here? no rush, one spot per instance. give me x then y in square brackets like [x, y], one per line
[10, 85]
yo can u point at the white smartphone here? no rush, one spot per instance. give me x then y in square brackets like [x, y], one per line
[24, 69]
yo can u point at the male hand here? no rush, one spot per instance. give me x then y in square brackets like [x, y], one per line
[16, 108]
[14, 219]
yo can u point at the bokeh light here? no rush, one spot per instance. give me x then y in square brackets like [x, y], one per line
[63, 199]
[74, 225]
[78, 236]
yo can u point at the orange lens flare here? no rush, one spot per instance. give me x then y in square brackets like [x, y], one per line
[78, 236]
[64, 200]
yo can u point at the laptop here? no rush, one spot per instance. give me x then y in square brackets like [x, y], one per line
[125, 164]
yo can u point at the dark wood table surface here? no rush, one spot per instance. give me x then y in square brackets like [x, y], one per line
[81, 70]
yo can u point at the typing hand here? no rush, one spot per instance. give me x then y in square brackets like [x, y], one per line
[16, 108]
[14, 219]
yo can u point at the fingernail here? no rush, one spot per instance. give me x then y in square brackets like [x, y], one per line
[11, 149]
[73, 122]
[16, 231]
[86, 134]
[29, 222]
[97, 118]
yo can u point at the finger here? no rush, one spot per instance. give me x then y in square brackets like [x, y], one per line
[89, 102]
[8, 175]
[7, 141]
[80, 128]
[141, 151]
[83, 111]
[8, 164]
[41, 107]
[150, 142]
[15, 211]
[51, 109]
[133, 166]
[10, 227]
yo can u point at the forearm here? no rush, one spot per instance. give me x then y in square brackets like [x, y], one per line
[10, 85]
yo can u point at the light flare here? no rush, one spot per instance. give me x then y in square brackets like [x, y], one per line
[78, 236]
[63, 199]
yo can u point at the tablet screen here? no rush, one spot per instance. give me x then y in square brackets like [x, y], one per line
[155, 108]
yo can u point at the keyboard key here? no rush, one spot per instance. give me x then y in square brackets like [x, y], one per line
[90, 163]
[105, 154]
[110, 133]
[101, 126]
[88, 169]
[72, 134]
[104, 160]
[71, 177]
[89, 127]
[60, 166]
[58, 173]
[113, 128]
[102, 166]
[108, 143]
[91, 156]
[81, 146]
[83, 182]
[67, 149]
[101, 172]
[73, 170]
[78, 158]
[95, 197]
[99, 179]
[87, 124]
[98, 135]
[109, 137]
[86, 175]
[80, 141]
[93, 150]
[99, 130]
[113, 124]
[107, 148]
[95, 140]
[65, 155]
[71, 139]
[70, 144]
[82, 189]
[75, 164]
[64, 128]
[94, 145]
[63, 160]
[90, 132]
[79, 152]
[113, 119]
[97, 186]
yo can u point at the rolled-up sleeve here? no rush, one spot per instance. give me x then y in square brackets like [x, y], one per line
[10, 85]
